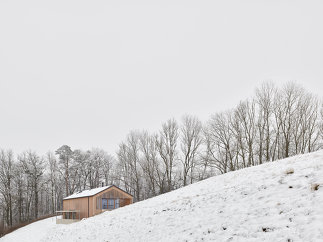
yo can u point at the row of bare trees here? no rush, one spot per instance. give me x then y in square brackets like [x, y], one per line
[21, 186]
[152, 164]
[33, 185]
[274, 124]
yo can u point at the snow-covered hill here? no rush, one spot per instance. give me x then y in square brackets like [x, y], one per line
[278, 201]
[32, 232]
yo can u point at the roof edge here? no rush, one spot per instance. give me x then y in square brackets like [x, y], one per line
[97, 193]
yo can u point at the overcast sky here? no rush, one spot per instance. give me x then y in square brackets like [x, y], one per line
[85, 73]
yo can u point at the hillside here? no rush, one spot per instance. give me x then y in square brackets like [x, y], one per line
[278, 201]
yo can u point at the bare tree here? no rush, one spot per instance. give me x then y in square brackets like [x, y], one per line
[133, 156]
[20, 186]
[108, 162]
[285, 112]
[82, 169]
[53, 179]
[65, 154]
[219, 138]
[191, 140]
[166, 145]
[6, 180]
[305, 133]
[149, 164]
[265, 98]
[129, 159]
[245, 114]
[34, 168]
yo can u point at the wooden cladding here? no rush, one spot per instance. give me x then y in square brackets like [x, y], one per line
[112, 193]
[80, 204]
[90, 206]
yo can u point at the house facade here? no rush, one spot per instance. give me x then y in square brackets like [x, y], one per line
[92, 202]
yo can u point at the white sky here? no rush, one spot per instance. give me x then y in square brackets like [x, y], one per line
[85, 73]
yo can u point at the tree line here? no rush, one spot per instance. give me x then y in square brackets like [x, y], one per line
[275, 123]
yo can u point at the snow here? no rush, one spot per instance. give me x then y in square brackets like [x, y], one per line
[87, 193]
[32, 232]
[271, 202]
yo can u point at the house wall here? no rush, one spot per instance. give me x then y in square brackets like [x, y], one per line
[90, 206]
[112, 192]
[77, 204]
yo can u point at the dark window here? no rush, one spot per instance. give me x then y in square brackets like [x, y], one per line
[110, 203]
[104, 203]
[117, 203]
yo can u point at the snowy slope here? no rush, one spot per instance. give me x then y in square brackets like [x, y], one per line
[32, 232]
[261, 203]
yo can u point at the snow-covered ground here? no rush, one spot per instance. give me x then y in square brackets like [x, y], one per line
[276, 201]
[32, 232]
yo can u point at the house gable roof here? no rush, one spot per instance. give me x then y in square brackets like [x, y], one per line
[92, 192]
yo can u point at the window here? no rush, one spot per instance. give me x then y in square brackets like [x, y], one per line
[117, 203]
[69, 215]
[104, 203]
[110, 203]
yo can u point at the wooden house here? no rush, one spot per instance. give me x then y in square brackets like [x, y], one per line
[92, 202]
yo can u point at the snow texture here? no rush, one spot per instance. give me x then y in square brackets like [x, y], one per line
[277, 201]
[32, 232]
[87, 193]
